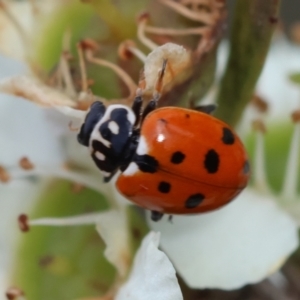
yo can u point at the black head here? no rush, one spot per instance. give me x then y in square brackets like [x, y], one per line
[110, 141]
[95, 114]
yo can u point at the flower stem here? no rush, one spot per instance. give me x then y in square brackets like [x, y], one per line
[252, 29]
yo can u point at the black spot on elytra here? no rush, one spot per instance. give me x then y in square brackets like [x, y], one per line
[146, 163]
[228, 136]
[164, 187]
[194, 200]
[246, 167]
[156, 215]
[177, 158]
[212, 161]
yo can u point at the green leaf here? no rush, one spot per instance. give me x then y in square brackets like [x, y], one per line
[277, 145]
[68, 262]
[74, 17]
[137, 226]
[121, 25]
[295, 78]
[63, 262]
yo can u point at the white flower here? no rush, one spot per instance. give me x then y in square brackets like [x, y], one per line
[243, 243]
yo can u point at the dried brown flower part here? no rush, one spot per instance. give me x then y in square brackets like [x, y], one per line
[124, 76]
[77, 188]
[14, 293]
[211, 14]
[185, 64]
[260, 104]
[23, 223]
[296, 116]
[126, 49]
[295, 32]
[258, 125]
[26, 164]
[178, 66]
[89, 44]
[4, 175]
[68, 84]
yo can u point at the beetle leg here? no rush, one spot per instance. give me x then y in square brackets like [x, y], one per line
[150, 107]
[137, 108]
[170, 219]
[156, 215]
[109, 177]
[158, 89]
[207, 109]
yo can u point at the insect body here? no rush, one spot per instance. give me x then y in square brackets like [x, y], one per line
[173, 160]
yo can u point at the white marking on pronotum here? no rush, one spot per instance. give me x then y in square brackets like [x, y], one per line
[98, 137]
[111, 108]
[107, 116]
[100, 155]
[142, 148]
[131, 169]
[113, 127]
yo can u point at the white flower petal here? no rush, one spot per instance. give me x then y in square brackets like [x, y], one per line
[10, 67]
[112, 227]
[242, 243]
[11, 42]
[152, 276]
[274, 84]
[25, 131]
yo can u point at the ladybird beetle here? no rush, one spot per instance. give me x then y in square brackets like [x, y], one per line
[173, 160]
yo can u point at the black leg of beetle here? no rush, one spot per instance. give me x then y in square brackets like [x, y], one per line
[150, 107]
[136, 108]
[109, 177]
[207, 109]
[156, 215]
[158, 89]
[170, 219]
